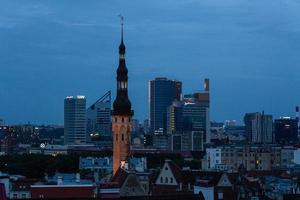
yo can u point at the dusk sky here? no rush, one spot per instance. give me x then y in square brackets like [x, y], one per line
[249, 49]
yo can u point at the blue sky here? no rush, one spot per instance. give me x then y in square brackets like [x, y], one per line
[54, 48]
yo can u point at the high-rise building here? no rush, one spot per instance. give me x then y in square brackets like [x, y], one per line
[162, 92]
[259, 127]
[286, 130]
[75, 120]
[196, 118]
[121, 114]
[191, 114]
[174, 117]
[99, 120]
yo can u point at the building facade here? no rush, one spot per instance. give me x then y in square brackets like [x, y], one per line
[162, 92]
[99, 121]
[254, 157]
[259, 127]
[286, 130]
[75, 120]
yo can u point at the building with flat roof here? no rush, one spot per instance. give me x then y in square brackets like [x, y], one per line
[286, 130]
[259, 127]
[162, 92]
[75, 120]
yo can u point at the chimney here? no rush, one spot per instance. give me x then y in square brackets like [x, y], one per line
[206, 85]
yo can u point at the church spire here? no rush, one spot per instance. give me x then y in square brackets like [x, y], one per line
[122, 104]
[122, 45]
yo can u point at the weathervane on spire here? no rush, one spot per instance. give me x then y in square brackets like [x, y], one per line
[122, 19]
[122, 23]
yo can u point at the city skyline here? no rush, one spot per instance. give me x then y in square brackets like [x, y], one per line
[66, 55]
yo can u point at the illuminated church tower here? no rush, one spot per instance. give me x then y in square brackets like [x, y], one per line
[122, 113]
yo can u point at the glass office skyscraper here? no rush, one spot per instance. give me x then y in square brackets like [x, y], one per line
[162, 92]
[75, 120]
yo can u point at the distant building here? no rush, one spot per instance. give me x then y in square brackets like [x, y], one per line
[162, 92]
[101, 164]
[2, 122]
[174, 117]
[161, 141]
[196, 118]
[20, 189]
[99, 121]
[259, 127]
[64, 186]
[8, 145]
[288, 157]
[286, 130]
[254, 157]
[75, 120]
[187, 141]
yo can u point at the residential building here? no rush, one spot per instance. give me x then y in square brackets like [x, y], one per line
[259, 127]
[251, 157]
[75, 120]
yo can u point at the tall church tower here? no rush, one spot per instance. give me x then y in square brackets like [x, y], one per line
[122, 113]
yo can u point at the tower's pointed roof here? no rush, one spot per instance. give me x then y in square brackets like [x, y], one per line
[122, 104]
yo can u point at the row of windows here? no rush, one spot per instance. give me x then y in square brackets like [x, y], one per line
[166, 180]
[123, 119]
[122, 137]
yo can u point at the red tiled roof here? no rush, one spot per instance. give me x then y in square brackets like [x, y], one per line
[176, 171]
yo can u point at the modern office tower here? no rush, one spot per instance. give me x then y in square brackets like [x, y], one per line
[75, 120]
[259, 127]
[99, 121]
[162, 92]
[174, 117]
[196, 117]
[191, 114]
[187, 141]
[121, 114]
[286, 130]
